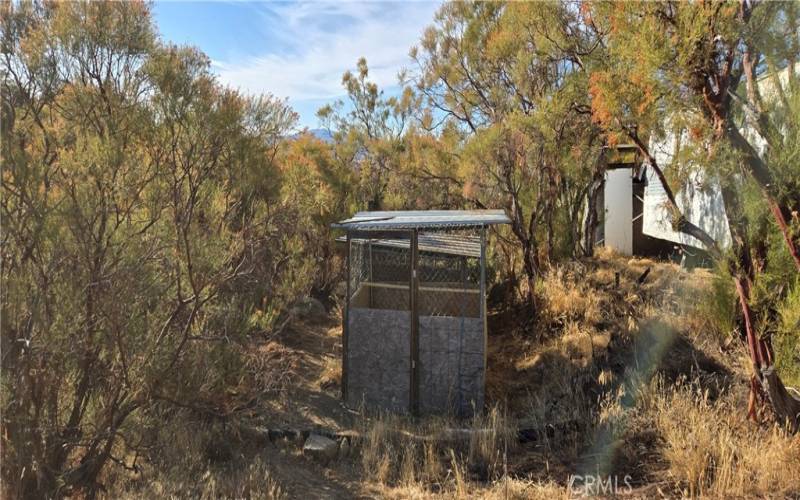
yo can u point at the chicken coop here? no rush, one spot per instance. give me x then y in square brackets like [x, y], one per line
[414, 322]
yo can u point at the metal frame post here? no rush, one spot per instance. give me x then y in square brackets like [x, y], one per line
[483, 300]
[413, 296]
[371, 303]
[345, 323]
[483, 274]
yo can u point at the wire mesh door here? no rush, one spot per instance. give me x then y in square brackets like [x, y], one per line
[451, 332]
[377, 369]
[434, 316]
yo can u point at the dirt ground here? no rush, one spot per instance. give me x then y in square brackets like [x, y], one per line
[598, 328]
[310, 401]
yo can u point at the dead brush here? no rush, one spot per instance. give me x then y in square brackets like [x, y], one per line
[253, 480]
[713, 452]
[331, 374]
[268, 370]
[188, 465]
[438, 454]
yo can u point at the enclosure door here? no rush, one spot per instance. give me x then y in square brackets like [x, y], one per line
[377, 364]
[415, 326]
[451, 331]
[619, 210]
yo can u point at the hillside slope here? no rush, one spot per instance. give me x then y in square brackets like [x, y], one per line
[617, 380]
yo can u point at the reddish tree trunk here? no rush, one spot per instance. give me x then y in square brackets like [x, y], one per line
[765, 385]
[791, 243]
[785, 407]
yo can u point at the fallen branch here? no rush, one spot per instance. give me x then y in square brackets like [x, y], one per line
[264, 435]
[643, 277]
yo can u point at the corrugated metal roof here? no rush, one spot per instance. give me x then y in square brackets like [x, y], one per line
[450, 244]
[417, 219]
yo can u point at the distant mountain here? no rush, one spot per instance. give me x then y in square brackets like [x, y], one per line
[319, 133]
[322, 134]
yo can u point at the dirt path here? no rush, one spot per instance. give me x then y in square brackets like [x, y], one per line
[311, 399]
[302, 478]
[311, 396]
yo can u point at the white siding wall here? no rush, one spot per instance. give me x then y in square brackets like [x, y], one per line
[618, 200]
[699, 199]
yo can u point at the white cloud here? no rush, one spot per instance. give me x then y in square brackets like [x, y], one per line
[309, 45]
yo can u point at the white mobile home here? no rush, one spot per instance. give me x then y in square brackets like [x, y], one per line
[636, 218]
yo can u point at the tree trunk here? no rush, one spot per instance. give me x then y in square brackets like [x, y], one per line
[594, 189]
[531, 271]
[526, 235]
[785, 407]
[590, 223]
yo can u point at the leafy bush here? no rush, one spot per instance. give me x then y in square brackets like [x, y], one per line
[147, 237]
[787, 340]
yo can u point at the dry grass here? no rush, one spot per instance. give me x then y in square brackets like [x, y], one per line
[251, 480]
[585, 372]
[195, 460]
[580, 379]
[331, 374]
[507, 488]
[567, 299]
[436, 456]
[713, 451]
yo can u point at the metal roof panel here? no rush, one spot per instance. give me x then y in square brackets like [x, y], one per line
[414, 219]
[450, 244]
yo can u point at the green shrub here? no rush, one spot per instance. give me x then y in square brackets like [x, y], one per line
[720, 307]
[787, 340]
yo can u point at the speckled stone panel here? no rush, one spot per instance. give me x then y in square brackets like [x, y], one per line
[451, 352]
[379, 362]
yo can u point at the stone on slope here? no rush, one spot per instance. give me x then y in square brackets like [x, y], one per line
[320, 448]
[309, 309]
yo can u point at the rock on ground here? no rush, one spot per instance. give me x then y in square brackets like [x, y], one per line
[320, 448]
[309, 309]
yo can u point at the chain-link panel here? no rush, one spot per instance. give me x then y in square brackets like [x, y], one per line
[359, 266]
[389, 283]
[449, 283]
[380, 274]
[450, 329]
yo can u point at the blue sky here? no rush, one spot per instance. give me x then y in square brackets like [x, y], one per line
[298, 50]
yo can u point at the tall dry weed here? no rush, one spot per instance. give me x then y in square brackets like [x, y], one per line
[713, 451]
[437, 454]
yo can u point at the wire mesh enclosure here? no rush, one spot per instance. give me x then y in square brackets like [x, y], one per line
[414, 327]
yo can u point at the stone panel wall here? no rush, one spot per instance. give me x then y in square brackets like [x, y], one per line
[449, 346]
[379, 362]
